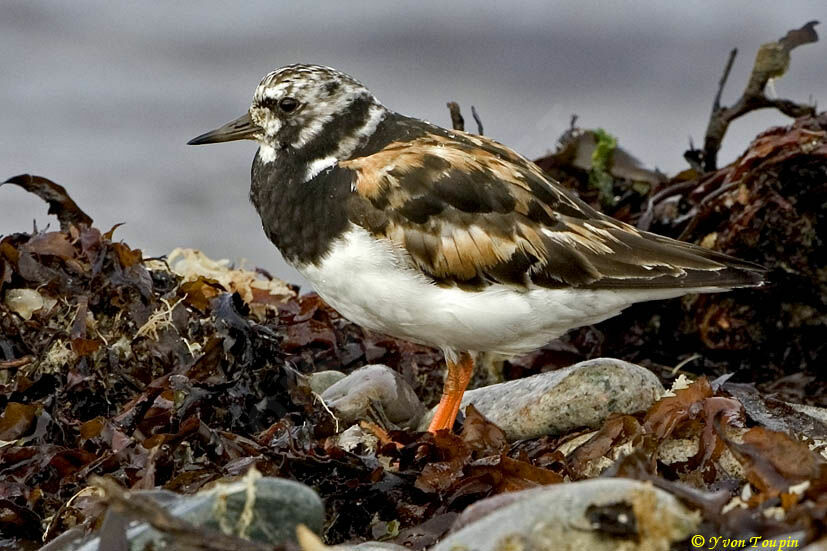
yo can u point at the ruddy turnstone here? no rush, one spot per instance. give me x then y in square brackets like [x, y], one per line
[442, 237]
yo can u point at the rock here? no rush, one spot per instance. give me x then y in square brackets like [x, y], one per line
[353, 437]
[278, 506]
[679, 450]
[612, 514]
[374, 392]
[322, 380]
[817, 427]
[259, 508]
[772, 413]
[820, 545]
[485, 507]
[812, 411]
[308, 541]
[370, 546]
[557, 402]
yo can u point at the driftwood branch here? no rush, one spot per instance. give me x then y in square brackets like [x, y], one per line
[716, 105]
[645, 221]
[477, 120]
[457, 122]
[771, 61]
[18, 362]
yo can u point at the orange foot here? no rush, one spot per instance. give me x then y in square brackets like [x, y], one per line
[456, 380]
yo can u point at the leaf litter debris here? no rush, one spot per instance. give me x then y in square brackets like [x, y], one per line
[115, 365]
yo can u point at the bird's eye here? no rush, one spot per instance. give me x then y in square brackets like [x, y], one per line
[288, 105]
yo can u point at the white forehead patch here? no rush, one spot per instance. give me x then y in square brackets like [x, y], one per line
[277, 90]
[294, 78]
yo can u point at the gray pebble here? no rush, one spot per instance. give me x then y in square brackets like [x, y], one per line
[556, 402]
[820, 545]
[374, 390]
[369, 546]
[322, 380]
[277, 505]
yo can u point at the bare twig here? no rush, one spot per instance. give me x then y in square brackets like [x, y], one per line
[698, 209]
[771, 62]
[694, 157]
[685, 361]
[645, 221]
[17, 362]
[457, 122]
[716, 105]
[477, 120]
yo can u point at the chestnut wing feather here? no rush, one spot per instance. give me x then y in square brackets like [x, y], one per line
[469, 211]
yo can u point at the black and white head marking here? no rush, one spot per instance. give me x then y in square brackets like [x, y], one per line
[314, 108]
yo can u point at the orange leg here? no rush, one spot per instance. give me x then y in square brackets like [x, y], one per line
[455, 382]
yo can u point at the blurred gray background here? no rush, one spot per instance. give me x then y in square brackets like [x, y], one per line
[102, 96]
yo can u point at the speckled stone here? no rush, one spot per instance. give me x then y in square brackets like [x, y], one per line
[817, 413]
[374, 387]
[612, 514]
[820, 545]
[369, 546]
[556, 402]
[261, 508]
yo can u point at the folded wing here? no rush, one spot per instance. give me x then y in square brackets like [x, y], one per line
[469, 211]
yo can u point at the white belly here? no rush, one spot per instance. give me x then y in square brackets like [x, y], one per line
[371, 284]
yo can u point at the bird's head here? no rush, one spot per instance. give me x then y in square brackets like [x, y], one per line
[300, 107]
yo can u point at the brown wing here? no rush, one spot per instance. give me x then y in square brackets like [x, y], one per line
[468, 211]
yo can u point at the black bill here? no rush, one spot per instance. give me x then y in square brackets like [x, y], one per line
[242, 128]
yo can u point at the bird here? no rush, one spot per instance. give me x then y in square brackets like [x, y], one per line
[442, 237]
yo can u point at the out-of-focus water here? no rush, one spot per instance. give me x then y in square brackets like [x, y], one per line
[102, 96]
